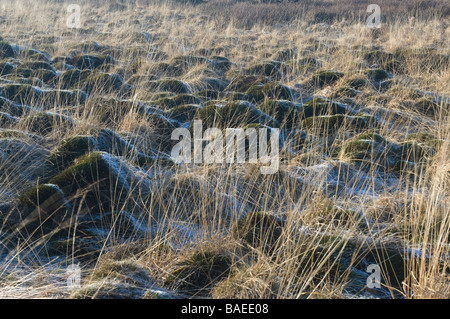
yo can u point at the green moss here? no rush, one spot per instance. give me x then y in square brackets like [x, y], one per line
[283, 111]
[44, 123]
[70, 149]
[243, 83]
[17, 79]
[208, 94]
[330, 124]
[11, 108]
[356, 82]
[372, 136]
[340, 216]
[21, 93]
[164, 69]
[22, 73]
[92, 62]
[237, 96]
[115, 279]
[44, 207]
[278, 91]
[372, 149]
[320, 106]
[412, 152]
[32, 54]
[106, 289]
[344, 92]
[147, 161]
[88, 170]
[6, 50]
[59, 98]
[90, 46]
[188, 61]
[420, 137]
[199, 273]
[101, 82]
[232, 114]
[285, 55]
[85, 246]
[426, 105]
[268, 69]
[358, 149]
[70, 77]
[326, 77]
[36, 65]
[41, 194]
[177, 100]
[6, 68]
[173, 85]
[138, 79]
[6, 120]
[183, 113]
[259, 230]
[47, 76]
[378, 74]
[255, 93]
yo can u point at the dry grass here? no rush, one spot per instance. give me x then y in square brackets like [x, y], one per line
[334, 214]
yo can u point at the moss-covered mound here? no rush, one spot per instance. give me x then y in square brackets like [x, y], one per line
[278, 91]
[233, 114]
[285, 112]
[111, 111]
[183, 113]
[6, 68]
[370, 148]
[330, 124]
[11, 108]
[7, 120]
[21, 93]
[164, 69]
[47, 194]
[61, 98]
[44, 207]
[243, 82]
[46, 76]
[259, 230]
[100, 175]
[172, 85]
[37, 65]
[177, 100]
[71, 77]
[91, 62]
[6, 50]
[377, 75]
[198, 274]
[325, 78]
[70, 149]
[320, 106]
[268, 69]
[101, 83]
[44, 123]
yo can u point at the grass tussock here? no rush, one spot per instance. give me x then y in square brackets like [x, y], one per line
[87, 178]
